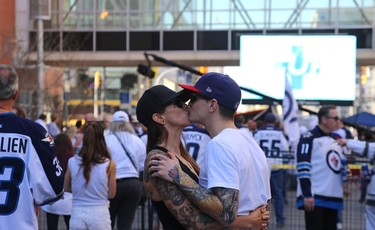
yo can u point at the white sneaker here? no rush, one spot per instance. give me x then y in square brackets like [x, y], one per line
[339, 225]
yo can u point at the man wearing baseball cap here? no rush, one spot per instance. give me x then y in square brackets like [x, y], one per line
[233, 163]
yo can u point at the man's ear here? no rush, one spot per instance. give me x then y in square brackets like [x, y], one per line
[15, 97]
[213, 105]
[158, 118]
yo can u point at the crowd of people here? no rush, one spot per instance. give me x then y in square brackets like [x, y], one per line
[201, 168]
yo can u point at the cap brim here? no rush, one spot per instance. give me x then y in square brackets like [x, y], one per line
[190, 88]
[175, 95]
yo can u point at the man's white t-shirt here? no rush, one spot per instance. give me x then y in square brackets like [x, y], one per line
[234, 160]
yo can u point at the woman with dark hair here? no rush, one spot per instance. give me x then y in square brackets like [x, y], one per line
[91, 177]
[163, 112]
[64, 151]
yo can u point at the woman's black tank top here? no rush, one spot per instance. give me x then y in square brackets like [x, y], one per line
[166, 218]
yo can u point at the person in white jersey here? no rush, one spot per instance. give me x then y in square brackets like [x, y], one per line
[233, 164]
[321, 172]
[365, 149]
[129, 153]
[196, 138]
[273, 141]
[91, 178]
[30, 173]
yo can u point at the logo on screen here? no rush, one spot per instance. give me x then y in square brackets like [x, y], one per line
[298, 67]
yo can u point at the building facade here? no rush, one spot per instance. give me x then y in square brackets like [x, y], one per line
[83, 35]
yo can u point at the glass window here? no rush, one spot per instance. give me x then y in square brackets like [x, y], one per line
[113, 20]
[208, 5]
[247, 19]
[77, 41]
[178, 40]
[142, 41]
[110, 41]
[212, 40]
[78, 20]
[179, 19]
[236, 35]
[319, 4]
[213, 20]
[355, 16]
[51, 41]
[364, 37]
[78, 6]
[283, 19]
[277, 4]
[142, 20]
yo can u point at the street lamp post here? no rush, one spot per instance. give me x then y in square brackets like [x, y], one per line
[41, 10]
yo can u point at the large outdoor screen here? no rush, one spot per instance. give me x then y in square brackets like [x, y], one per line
[320, 69]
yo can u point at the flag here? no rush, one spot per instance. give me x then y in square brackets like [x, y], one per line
[290, 115]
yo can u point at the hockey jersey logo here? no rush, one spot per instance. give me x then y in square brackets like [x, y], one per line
[334, 161]
[48, 139]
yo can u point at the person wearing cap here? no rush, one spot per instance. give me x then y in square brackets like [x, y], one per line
[129, 153]
[222, 204]
[162, 111]
[274, 143]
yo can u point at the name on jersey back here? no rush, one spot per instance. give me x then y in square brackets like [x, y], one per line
[269, 135]
[193, 137]
[13, 145]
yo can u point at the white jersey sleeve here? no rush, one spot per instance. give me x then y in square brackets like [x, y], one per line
[362, 148]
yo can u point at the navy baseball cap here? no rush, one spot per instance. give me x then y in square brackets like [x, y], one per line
[217, 86]
[153, 100]
[270, 117]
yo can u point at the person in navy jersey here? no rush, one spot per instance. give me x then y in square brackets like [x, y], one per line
[30, 171]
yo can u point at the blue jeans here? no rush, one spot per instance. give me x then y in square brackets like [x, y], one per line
[277, 191]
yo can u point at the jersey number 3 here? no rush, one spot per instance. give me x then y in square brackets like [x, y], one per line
[11, 175]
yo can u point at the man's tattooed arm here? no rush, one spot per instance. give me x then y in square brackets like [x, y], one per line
[189, 215]
[221, 204]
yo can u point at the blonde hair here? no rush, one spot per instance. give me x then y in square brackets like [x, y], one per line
[121, 126]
